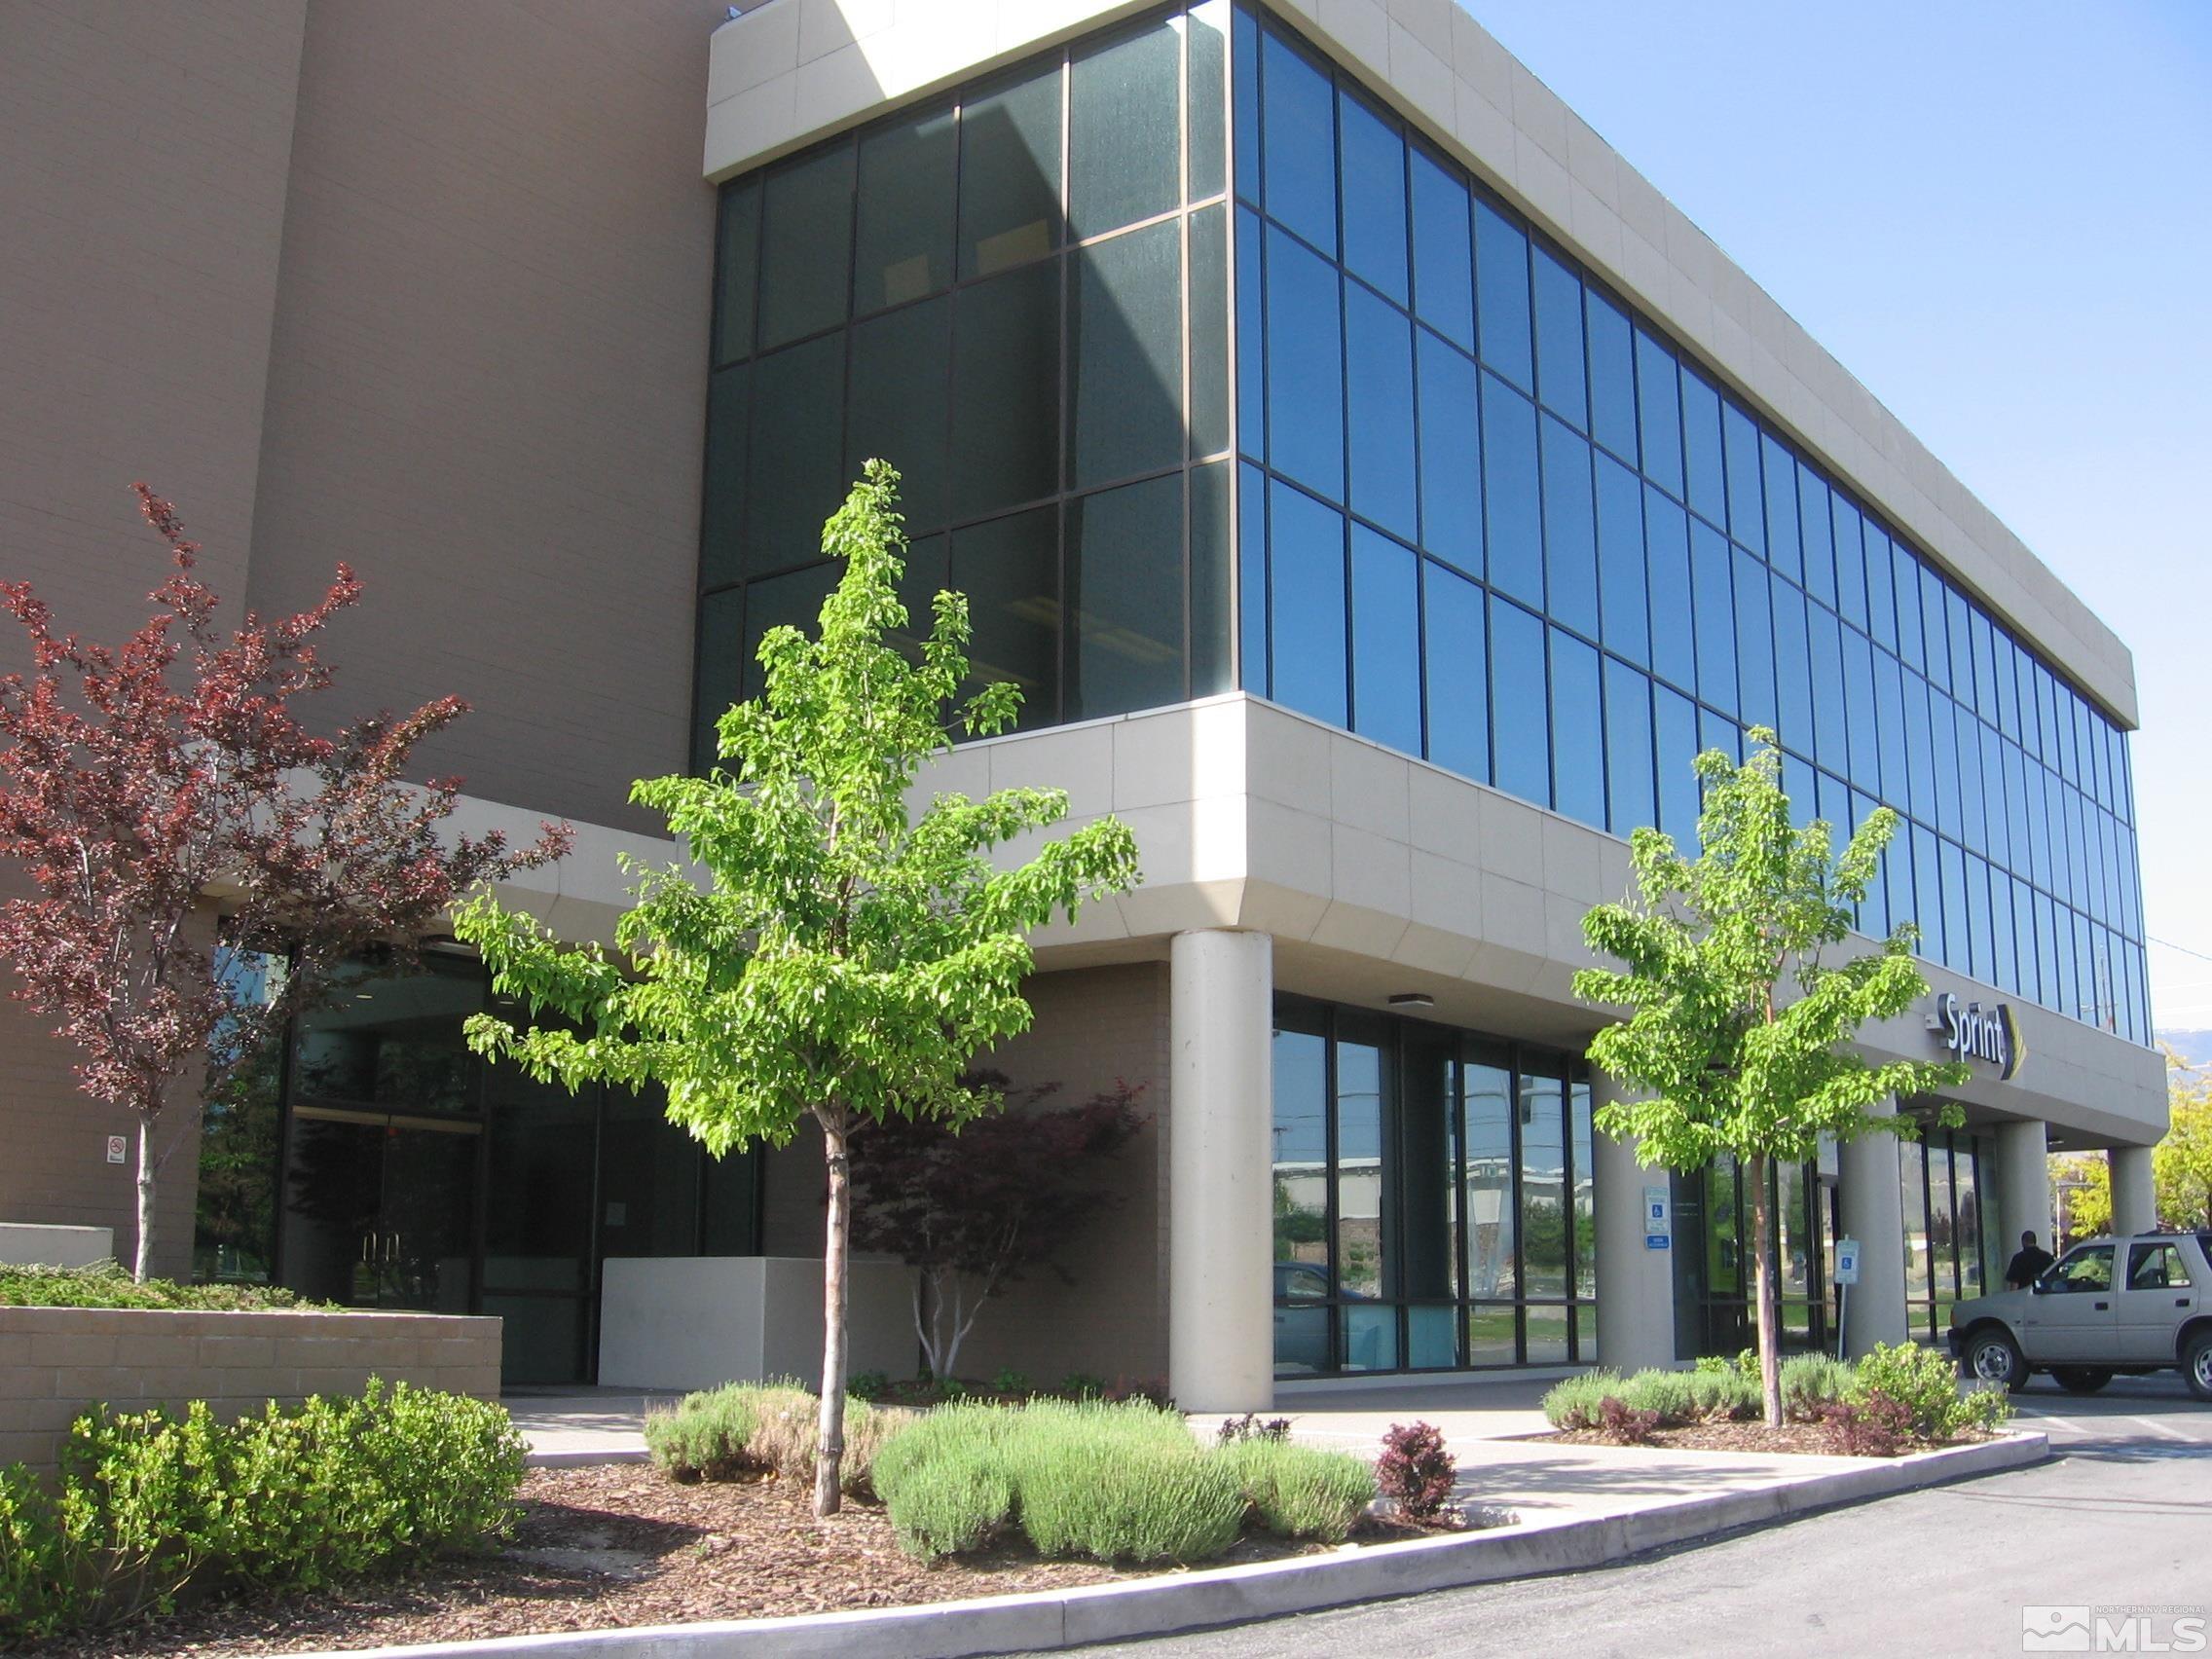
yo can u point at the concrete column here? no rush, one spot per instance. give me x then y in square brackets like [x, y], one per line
[2134, 1200]
[1220, 1268]
[1873, 1213]
[2023, 1187]
[1636, 1284]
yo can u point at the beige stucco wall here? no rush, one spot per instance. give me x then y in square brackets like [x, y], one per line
[55, 1361]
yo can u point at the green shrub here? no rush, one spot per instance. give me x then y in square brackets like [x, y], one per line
[1724, 1392]
[1572, 1403]
[151, 1503]
[1116, 1481]
[748, 1430]
[869, 1384]
[1300, 1491]
[1709, 1364]
[1926, 1384]
[1810, 1382]
[105, 1284]
[1085, 1494]
[1668, 1395]
[1010, 1381]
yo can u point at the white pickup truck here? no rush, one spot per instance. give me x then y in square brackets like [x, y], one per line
[2130, 1304]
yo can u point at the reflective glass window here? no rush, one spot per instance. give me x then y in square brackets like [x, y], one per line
[719, 671]
[1492, 1248]
[1701, 449]
[797, 458]
[1971, 827]
[1204, 105]
[901, 369]
[1209, 331]
[1859, 709]
[1543, 1186]
[1713, 578]
[1659, 411]
[1746, 509]
[1927, 878]
[1010, 174]
[1626, 622]
[1985, 669]
[1817, 530]
[1123, 108]
[1578, 734]
[1960, 626]
[1522, 745]
[721, 534]
[1305, 545]
[1444, 257]
[1300, 144]
[1010, 571]
[1306, 432]
[1571, 544]
[1881, 589]
[902, 248]
[737, 267]
[1912, 648]
[1831, 740]
[806, 239]
[1792, 668]
[1889, 723]
[1674, 722]
[1379, 356]
[1514, 535]
[1006, 400]
[1385, 641]
[1559, 341]
[1784, 551]
[1501, 286]
[1253, 602]
[1244, 49]
[1666, 551]
[1451, 455]
[1251, 337]
[1938, 645]
[1754, 641]
[1613, 377]
[1630, 799]
[1124, 576]
[1374, 196]
[1850, 560]
[1455, 664]
[1212, 588]
[1124, 355]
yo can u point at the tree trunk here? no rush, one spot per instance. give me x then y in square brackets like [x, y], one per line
[144, 1263]
[1763, 1271]
[829, 1443]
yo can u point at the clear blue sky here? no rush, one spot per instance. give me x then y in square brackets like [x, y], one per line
[1998, 217]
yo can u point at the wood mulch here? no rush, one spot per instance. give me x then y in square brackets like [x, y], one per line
[1792, 1437]
[619, 1545]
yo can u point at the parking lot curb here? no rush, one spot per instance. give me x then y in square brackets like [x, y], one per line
[1232, 1594]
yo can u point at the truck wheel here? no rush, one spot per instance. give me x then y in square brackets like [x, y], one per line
[2196, 1365]
[2080, 1379]
[1993, 1357]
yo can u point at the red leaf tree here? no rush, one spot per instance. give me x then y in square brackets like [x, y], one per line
[202, 860]
[975, 1206]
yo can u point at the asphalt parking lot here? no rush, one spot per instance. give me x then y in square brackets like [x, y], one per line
[2119, 1519]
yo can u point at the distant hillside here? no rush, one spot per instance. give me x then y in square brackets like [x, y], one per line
[2194, 1047]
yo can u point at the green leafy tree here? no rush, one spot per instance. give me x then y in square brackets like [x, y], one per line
[2181, 1164]
[845, 958]
[2081, 1183]
[1738, 1026]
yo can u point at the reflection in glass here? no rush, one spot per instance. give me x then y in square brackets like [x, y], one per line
[1125, 356]
[1375, 200]
[1515, 530]
[1559, 341]
[1008, 569]
[1125, 573]
[1543, 1185]
[1362, 1076]
[1379, 412]
[1306, 433]
[1571, 542]
[1306, 544]
[1122, 160]
[1522, 736]
[1491, 1214]
[1006, 402]
[1009, 175]
[1385, 632]
[1578, 733]
[1444, 261]
[1451, 456]
[1299, 144]
[1459, 684]
[1502, 285]
[903, 248]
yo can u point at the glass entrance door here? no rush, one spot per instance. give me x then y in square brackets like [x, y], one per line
[379, 1210]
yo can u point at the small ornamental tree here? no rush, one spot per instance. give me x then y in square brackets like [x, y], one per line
[147, 788]
[973, 1206]
[846, 957]
[1738, 1026]
[2081, 1184]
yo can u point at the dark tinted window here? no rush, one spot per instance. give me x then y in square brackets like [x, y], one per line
[737, 263]
[797, 475]
[902, 370]
[1125, 355]
[1008, 569]
[1124, 570]
[1009, 175]
[1005, 391]
[904, 246]
[1124, 163]
[806, 240]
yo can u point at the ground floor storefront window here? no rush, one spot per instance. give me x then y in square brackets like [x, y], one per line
[1949, 1254]
[1433, 1204]
[1716, 1307]
[377, 1163]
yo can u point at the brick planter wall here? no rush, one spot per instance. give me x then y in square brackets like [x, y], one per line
[55, 1361]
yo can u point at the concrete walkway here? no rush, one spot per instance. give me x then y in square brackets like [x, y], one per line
[1480, 1421]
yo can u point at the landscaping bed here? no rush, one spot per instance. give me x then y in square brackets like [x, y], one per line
[1812, 1439]
[619, 1545]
